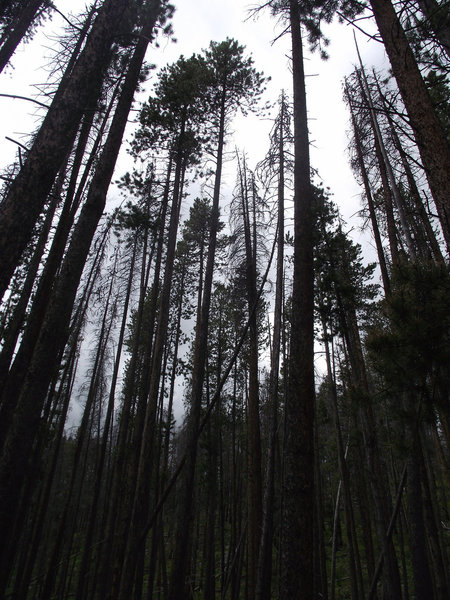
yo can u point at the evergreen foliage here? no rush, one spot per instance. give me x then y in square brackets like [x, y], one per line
[202, 397]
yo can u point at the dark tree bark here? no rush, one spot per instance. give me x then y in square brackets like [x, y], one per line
[385, 164]
[28, 192]
[63, 395]
[264, 575]
[356, 588]
[431, 142]
[140, 503]
[82, 435]
[12, 38]
[254, 484]
[83, 580]
[53, 334]
[369, 198]
[298, 486]
[424, 235]
[17, 319]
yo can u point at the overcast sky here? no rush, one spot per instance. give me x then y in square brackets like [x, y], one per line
[195, 24]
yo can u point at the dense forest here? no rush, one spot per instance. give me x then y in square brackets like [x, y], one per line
[263, 405]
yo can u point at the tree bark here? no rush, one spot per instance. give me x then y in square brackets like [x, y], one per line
[179, 586]
[28, 192]
[54, 333]
[431, 142]
[12, 39]
[298, 485]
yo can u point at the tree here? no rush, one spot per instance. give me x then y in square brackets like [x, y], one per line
[174, 116]
[431, 142]
[414, 319]
[29, 190]
[277, 167]
[233, 82]
[17, 21]
[53, 334]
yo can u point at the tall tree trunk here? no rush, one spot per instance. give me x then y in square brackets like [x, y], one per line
[118, 508]
[53, 334]
[93, 516]
[369, 198]
[431, 142]
[425, 236]
[385, 164]
[20, 26]
[264, 575]
[179, 585]
[254, 485]
[103, 337]
[29, 190]
[391, 580]
[17, 319]
[353, 552]
[140, 507]
[298, 485]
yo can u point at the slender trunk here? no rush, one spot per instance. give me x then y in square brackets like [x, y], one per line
[81, 437]
[431, 142]
[18, 316]
[53, 334]
[391, 580]
[357, 590]
[370, 204]
[93, 516]
[425, 235]
[254, 486]
[385, 164]
[66, 386]
[298, 484]
[53, 263]
[118, 508]
[28, 192]
[141, 494]
[17, 31]
[179, 578]
[264, 576]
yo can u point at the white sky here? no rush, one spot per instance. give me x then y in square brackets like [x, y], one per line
[195, 24]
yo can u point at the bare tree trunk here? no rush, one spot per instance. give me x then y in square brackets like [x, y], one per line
[53, 334]
[264, 576]
[179, 586]
[369, 198]
[28, 192]
[140, 506]
[81, 440]
[298, 485]
[425, 236]
[431, 142]
[11, 39]
[392, 184]
[357, 590]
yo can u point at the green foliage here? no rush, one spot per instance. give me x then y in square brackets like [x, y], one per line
[438, 86]
[410, 346]
[173, 117]
[315, 13]
[235, 83]
[343, 282]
